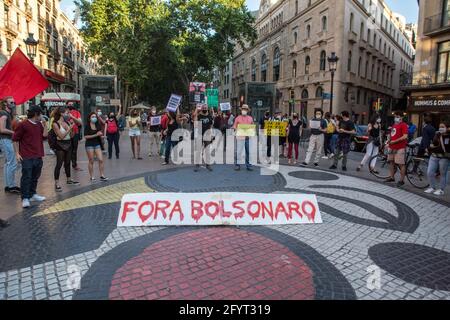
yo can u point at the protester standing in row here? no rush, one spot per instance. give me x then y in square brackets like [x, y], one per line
[346, 128]
[7, 111]
[64, 133]
[29, 148]
[174, 121]
[155, 134]
[262, 124]
[373, 144]
[75, 118]
[316, 141]
[206, 120]
[93, 134]
[397, 148]
[243, 142]
[439, 160]
[331, 129]
[102, 121]
[294, 133]
[134, 123]
[428, 133]
[112, 135]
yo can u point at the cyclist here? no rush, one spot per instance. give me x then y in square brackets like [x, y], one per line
[439, 160]
[397, 143]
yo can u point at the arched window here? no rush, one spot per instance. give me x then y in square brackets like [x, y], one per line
[367, 70]
[361, 31]
[324, 23]
[294, 69]
[349, 62]
[352, 19]
[359, 66]
[295, 37]
[308, 31]
[253, 70]
[264, 68]
[319, 92]
[305, 94]
[307, 64]
[276, 64]
[323, 60]
[296, 6]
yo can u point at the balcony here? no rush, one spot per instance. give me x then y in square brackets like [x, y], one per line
[41, 21]
[68, 62]
[437, 24]
[48, 26]
[352, 37]
[425, 80]
[350, 78]
[48, 4]
[43, 47]
[28, 12]
[362, 44]
[321, 36]
[307, 43]
[293, 49]
[12, 28]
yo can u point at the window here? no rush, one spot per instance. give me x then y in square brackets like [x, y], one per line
[445, 13]
[294, 69]
[296, 7]
[323, 60]
[319, 92]
[295, 37]
[308, 31]
[349, 62]
[352, 18]
[307, 64]
[305, 94]
[253, 70]
[263, 68]
[367, 69]
[443, 67]
[324, 24]
[276, 64]
[361, 31]
[359, 66]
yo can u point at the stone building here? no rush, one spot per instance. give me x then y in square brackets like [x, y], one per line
[430, 81]
[295, 38]
[61, 54]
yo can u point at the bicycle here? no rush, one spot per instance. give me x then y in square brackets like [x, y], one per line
[416, 167]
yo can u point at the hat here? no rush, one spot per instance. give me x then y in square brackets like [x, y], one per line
[245, 107]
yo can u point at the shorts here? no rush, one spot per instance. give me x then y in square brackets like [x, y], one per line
[93, 148]
[398, 156]
[134, 133]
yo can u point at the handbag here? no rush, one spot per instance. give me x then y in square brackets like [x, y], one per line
[63, 145]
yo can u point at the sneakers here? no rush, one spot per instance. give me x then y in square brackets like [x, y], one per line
[26, 203]
[333, 167]
[390, 179]
[73, 183]
[249, 169]
[37, 198]
[197, 168]
[237, 168]
[304, 163]
[316, 164]
[103, 179]
[15, 190]
[208, 167]
[344, 168]
[430, 190]
[400, 184]
[325, 157]
[164, 163]
[439, 192]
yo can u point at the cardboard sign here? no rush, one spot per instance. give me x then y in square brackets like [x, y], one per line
[275, 128]
[212, 98]
[200, 209]
[174, 103]
[246, 130]
[197, 92]
[155, 121]
[226, 106]
[315, 124]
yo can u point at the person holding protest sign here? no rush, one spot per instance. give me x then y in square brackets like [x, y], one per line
[135, 134]
[174, 120]
[203, 115]
[346, 128]
[316, 141]
[155, 133]
[294, 133]
[242, 141]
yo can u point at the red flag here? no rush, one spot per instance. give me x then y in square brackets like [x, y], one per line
[20, 79]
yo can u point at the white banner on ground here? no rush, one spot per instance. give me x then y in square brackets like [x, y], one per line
[202, 209]
[174, 103]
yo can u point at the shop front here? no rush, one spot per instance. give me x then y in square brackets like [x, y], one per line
[55, 80]
[436, 106]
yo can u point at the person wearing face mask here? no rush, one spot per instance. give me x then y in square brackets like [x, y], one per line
[373, 143]
[205, 119]
[155, 134]
[243, 142]
[439, 160]
[316, 141]
[102, 121]
[397, 143]
[269, 138]
[112, 134]
[64, 132]
[345, 129]
[7, 111]
[294, 133]
[428, 134]
[93, 134]
[134, 124]
[29, 147]
[75, 118]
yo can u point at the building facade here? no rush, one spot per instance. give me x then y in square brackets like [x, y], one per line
[430, 81]
[222, 81]
[61, 54]
[295, 38]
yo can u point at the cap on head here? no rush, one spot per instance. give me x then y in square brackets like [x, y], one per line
[245, 107]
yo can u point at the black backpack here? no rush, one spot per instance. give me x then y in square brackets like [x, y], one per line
[52, 139]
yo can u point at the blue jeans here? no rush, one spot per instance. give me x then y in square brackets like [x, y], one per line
[9, 170]
[31, 171]
[240, 144]
[169, 144]
[333, 142]
[433, 166]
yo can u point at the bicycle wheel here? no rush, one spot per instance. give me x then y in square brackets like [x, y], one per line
[416, 172]
[381, 169]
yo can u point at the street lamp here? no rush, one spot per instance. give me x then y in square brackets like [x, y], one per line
[31, 45]
[332, 61]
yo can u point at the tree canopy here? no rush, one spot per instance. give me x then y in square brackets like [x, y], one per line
[156, 47]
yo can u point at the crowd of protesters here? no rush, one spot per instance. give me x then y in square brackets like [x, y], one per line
[330, 137]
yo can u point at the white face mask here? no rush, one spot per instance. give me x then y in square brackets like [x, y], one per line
[379, 121]
[443, 130]
[397, 120]
[244, 112]
[318, 116]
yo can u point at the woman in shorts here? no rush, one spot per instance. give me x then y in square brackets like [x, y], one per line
[93, 134]
[134, 122]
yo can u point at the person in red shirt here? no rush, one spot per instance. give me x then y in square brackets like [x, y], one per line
[397, 143]
[29, 147]
[75, 118]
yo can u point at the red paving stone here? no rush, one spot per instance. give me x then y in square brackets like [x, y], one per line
[194, 265]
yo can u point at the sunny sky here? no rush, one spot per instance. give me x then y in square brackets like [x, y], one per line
[408, 8]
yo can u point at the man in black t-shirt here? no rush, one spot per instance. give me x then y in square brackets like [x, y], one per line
[203, 116]
[346, 128]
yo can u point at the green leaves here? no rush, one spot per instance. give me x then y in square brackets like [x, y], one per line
[159, 46]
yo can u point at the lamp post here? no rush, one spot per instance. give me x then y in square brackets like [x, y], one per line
[332, 61]
[31, 45]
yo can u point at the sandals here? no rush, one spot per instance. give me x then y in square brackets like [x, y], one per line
[58, 188]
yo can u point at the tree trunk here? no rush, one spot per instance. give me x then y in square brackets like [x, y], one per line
[125, 102]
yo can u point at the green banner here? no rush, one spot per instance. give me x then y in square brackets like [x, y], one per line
[213, 98]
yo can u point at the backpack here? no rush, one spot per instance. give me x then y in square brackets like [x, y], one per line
[52, 139]
[330, 127]
[112, 127]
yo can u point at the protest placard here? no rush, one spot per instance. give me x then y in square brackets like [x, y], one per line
[275, 128]
[174, 103]
[225, 106]
[155, 121]
[246, 130]
[200, 209]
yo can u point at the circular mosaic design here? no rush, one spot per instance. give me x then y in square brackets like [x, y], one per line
[314, 175]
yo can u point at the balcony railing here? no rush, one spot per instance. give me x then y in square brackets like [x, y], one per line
[12, 27]
[69, 62]
[437, 23]
[28, 10]
[425, 79]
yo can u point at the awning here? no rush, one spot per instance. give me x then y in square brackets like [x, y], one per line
[56, 99]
